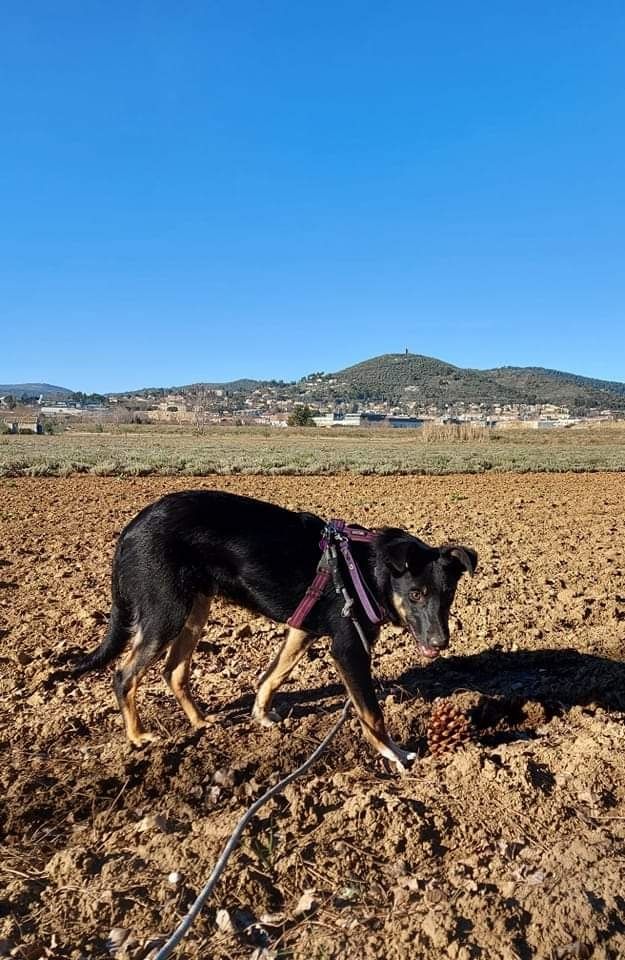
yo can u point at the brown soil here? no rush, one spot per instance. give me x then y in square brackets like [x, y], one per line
[512, 847]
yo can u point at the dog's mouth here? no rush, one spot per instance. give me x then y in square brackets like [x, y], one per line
[424, 648]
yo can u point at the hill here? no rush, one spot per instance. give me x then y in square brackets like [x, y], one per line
[33, 390]
[400, 377]
[397, 376]
[567, 389]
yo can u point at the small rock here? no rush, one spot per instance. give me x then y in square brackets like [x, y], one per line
[117, 938]
[434, 896]
[224, 921]
[223, 778]
[508, 888]
[305, 904]
[273, 919]
[174, 878]
[152, 821]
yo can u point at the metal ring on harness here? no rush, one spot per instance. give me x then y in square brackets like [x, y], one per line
[336, 536]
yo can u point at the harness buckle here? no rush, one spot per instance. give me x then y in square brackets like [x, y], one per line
[348, 605]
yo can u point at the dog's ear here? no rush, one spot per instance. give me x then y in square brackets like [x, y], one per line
[405, 553]
[464, 557]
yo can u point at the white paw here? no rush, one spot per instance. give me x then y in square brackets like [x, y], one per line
[400, 757]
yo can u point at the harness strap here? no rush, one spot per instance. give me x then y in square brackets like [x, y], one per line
[313, 593]
[368, 601]
[352, 533]
[337, 531]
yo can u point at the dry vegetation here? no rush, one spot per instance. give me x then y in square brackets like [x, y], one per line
[433, 450]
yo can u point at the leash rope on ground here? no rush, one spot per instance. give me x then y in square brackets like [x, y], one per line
[185, 925]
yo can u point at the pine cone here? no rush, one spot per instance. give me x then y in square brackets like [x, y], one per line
[449, 728]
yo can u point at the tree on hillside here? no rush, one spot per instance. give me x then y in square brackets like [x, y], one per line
[78, 396]
[301, 417]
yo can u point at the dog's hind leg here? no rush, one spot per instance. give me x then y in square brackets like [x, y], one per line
[293, 649]
[126, 681]
[178, 662]
[154, 631]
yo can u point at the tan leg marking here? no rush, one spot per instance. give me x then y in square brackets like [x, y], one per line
[293, 649]
[135, 731]
[178, 663]
[374, 729]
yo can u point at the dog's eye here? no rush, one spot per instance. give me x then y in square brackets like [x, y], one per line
[418, 596]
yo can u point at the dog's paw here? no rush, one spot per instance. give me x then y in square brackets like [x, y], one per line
[401, 758]
[202, 722]
[143, 739]
[267, 718]
[402, 765]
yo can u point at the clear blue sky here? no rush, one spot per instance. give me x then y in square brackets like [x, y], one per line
[207, 190]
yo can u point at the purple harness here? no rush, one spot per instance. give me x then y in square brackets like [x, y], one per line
[337, 533]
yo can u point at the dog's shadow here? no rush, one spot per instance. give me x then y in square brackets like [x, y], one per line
[558, 679]
[565, 677]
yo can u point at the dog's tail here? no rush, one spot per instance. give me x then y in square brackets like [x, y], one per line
[120, 629]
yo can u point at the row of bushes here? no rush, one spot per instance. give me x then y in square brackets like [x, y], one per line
[50, 427]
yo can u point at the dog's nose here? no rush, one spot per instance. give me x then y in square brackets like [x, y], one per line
[438, 641]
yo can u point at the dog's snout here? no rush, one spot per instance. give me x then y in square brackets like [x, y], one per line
[438, 641]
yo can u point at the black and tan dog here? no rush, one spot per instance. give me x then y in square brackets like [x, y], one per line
[191, 546]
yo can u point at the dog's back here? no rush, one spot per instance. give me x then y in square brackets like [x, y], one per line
[219, 543]
[205, 542]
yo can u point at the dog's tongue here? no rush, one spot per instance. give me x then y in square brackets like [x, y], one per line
[430, 652]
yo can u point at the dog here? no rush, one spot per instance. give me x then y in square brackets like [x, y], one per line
[188, 547]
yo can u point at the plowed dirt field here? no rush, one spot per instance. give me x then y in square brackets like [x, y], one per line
[513, 847]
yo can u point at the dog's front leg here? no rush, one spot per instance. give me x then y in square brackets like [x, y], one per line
[354, 667]
[293, 649]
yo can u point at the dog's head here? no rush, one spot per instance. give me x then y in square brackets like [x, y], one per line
[420, 584]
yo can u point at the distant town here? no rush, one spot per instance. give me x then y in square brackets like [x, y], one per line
[277, 406]
[394, 390]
